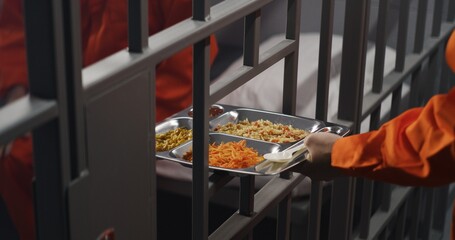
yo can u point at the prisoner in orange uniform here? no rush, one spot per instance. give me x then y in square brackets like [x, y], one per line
[417, 148]
[104, 31]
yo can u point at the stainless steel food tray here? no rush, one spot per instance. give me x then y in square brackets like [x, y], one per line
[234, 114]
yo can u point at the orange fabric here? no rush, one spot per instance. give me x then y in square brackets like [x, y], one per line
[16, 173]
[104, 31]
[12, 47]
[416, 148]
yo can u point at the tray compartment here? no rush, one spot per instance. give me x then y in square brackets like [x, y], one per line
[171, 124]
[240, 114]
[261, 147]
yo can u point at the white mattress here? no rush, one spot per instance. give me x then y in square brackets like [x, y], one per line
[265, 92]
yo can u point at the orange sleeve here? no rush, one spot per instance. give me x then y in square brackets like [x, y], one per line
[416, 148]
[13, 69]
[16, 174]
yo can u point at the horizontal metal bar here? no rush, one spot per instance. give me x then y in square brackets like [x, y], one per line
[23, 115]
[164, 44]
[268, 197]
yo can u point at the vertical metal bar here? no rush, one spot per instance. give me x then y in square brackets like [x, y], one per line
[403, 23]
[252, 39]
[383, 234]
[46, 73]
[314, 224]
[440, 211]
[290, 83]
[137, 25]
[341, 209]
[381, 39]
[451, 11]
[400, 224]
[353, 64]
[325, 59]
[437, 18]
[322, 99]
[284, 212]
[445, 76]
[350, 108]
[367, 199]
[284, 218]
[291, 61]
[386, 196]
[433, 69]
[201, 9]
[375, 118]
[74, 88]
[152, 149]
[293, 20]
[396, 101]
[367, 191]
[414, 94]
[428, 213]
[420, 26]
[415, 214]
[246, 201]
[201, 82]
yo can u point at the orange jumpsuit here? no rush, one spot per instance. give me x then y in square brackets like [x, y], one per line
[104, 31]
[416, 148]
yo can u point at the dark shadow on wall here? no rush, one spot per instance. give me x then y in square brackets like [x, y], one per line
[7, 229]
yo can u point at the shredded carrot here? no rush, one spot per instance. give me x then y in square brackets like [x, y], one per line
[230, 155]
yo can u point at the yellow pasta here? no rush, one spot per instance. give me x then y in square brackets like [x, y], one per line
[173, 138]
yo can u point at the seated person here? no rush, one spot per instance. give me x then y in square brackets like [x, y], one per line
[104, 31]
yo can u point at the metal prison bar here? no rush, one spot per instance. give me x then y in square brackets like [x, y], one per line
[379, 224]
[77, 198]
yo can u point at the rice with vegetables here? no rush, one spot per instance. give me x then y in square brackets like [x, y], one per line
[263, 130]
